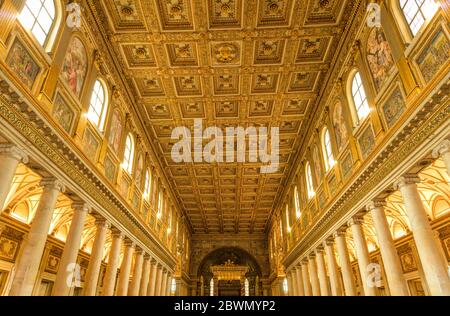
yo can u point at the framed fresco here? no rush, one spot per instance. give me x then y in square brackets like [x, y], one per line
[379, 57]
[22, 64]
[63, 113]
[366, 141]
[339, 126]
[74, 68]
[110, 168]
[347, 165]
[435, 55]
[90, 144]
[393, 107]
[116, 129]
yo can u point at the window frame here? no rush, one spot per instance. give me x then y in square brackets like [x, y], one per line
[128, 159]
[327, 149]
[147, 184]
[101, 124]
[50, 36]
[413, 31]
[309, 181]
[298, 211]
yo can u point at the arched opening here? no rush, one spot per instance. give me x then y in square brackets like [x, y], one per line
[229, 271]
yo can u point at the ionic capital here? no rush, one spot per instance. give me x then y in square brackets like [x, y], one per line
[12, 151]
[129, 243]
[52, 184]
[406, 180]
[115, 233]
[320, 249]
[147, 257]
[441, 149]
[81, 207]
[329, 242]
[355, 220]
[341, 232]
[101, 222]
[312, 256]
[376, 203]
[138, 250]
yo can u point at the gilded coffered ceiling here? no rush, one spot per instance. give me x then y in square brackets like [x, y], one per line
[230, 63]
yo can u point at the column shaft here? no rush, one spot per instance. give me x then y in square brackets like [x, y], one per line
[92, 273]
[431, 255]
[27, 265]
[137, 273]
[313, 276]
[163, 284]
[362, 254]
[152, 280]
[290, 284]
[158, 281]
[109, 281]
[145, 276]
[10, 156]
[335, 282]
[392, 265]
[323, 279]
[124, 275]
[300, 290]
[306, 282]
[346, 268]
[68, 272]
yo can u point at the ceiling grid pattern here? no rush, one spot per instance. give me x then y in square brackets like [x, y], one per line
[231, 63]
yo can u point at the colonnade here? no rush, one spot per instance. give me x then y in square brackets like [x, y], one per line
[311, 276]
[149, 277]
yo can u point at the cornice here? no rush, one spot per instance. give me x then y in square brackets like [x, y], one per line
[20, 112]
[420, 127]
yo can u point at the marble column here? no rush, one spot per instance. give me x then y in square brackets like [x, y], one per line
[137, 273]
[27, 264]
[152, 280]
[68, 273]
[323, 279]
[10, 157]
[145, 276]
[443, 151]
[294, 282]
[109, 281]
[93, 270]
[124, 275]
[434, 263]
[313, 275]
[163, 283]
[346, 268]
[305, 276]
[158, 280]
[290, 284]
[299, 278]
[391, 261]
[335, 282]
[362, 254]
[169, 284]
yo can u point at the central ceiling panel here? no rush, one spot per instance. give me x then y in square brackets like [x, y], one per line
[230, 63]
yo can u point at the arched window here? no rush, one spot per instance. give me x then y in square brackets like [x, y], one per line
[246, 287]
[298, 212]
[98, 106]
[128, 154]
[285, 286]
[147, 184]
[211, 287]
[160, 204]
[38, 16]
[288, 225]
[327, 150]
[309, 182]
[359, 97]
[416, 12]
